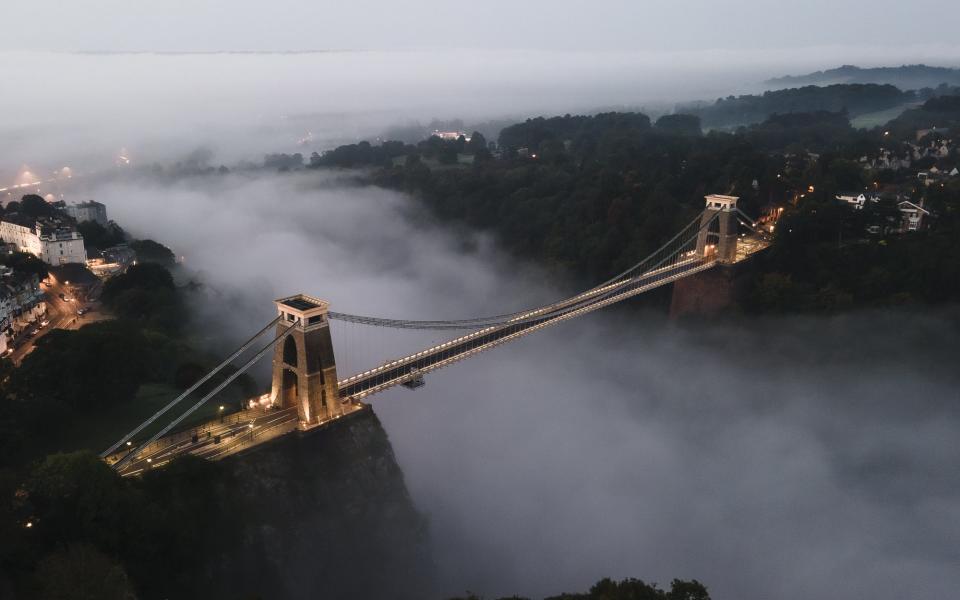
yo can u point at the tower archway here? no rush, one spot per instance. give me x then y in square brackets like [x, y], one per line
[304, 369]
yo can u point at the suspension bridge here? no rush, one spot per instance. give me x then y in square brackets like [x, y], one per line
[307, 394]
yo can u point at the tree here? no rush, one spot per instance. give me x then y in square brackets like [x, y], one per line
[146, 293]
[680, 124]
[101, 364]
[97, 237]
[22, 262]
[149, 251]
[35, 206]
[81, 572]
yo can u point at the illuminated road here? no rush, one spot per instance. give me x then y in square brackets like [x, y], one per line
[214, 439]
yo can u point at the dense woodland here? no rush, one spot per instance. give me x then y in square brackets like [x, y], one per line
[590, 195]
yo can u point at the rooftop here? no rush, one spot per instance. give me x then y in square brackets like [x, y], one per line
[300, 304]
[303, 304]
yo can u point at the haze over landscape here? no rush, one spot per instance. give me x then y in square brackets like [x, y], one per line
[797, 440]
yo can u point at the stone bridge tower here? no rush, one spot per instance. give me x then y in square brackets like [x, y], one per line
[721, 237]
[304, 369]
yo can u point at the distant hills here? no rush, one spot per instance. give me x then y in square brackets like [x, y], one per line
[853, 99]
[906, 77]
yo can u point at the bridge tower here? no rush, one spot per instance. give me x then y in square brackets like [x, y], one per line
[304, 369]
[721, 237]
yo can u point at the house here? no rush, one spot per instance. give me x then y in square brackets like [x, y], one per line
[856, 200]
[930, 177]
[911, 215]
[21, 303]
[53, 241]
[451, 135]
[88, 211]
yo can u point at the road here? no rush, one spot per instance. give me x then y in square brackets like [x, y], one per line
[214, 439]
[61, 314]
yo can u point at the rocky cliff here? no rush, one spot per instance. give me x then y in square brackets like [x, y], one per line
[324, 515]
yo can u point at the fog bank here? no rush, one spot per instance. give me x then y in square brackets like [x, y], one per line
[773, 458]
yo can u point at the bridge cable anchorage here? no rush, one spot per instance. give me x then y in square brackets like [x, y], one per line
[190, 390]
[495, 320]
[133, 453]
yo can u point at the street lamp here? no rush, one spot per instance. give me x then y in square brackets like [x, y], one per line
[221, 413]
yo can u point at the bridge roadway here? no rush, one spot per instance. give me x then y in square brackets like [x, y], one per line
[406, 369]
[215, 439]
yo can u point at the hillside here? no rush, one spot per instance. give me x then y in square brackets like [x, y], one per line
[853, 99]
[907, 77]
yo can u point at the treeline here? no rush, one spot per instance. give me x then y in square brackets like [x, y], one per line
[628, 589]
[441, 151]
[820, 263]
[905, 77]
[591, 195]
[594, 194]
[852, 99]
[942, 112]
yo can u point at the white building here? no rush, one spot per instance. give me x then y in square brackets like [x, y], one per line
[88, 211]
[52, 241]
[857, 201]
[451, 135]
[911, 216]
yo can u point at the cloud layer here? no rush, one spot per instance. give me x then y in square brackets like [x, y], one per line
[773, 458]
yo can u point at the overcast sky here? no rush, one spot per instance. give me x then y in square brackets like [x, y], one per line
[209, 25]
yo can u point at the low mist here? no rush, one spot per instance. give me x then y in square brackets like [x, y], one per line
[85, 110]
[776, 458]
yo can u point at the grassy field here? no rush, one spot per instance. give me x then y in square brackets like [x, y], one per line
[881, 117]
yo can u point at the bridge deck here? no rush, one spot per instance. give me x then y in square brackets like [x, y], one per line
[404, 369]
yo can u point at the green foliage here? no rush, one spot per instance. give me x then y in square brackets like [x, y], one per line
[597, 204]
[680, 124]
[853, 99]
[149, 251]
[98, 238]
[941, 112]
[23, 262]
[98, 365]
[820, 263]
[636, 589]
[81, 572]
[813, 131]
[146, 293]
[82, 513]
[35, 206]
[584, 132]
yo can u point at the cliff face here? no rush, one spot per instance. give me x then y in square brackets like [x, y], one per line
[707, 293]
[324, 515]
